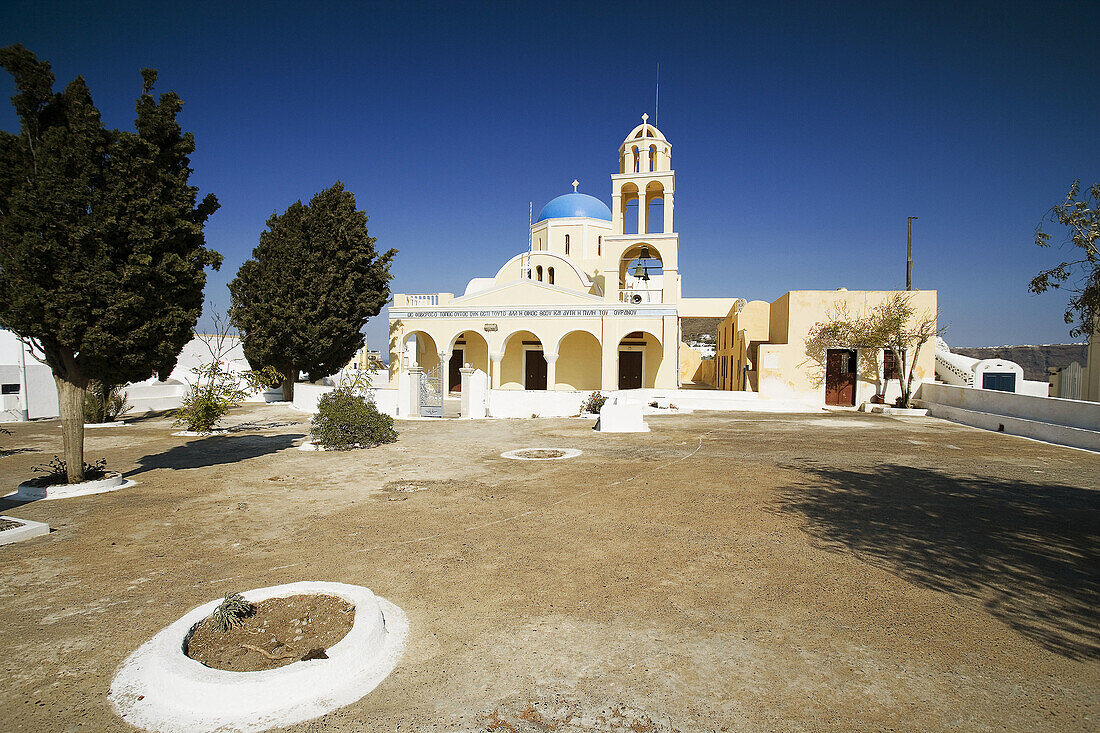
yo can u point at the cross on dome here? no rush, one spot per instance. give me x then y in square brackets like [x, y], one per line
[575, 184]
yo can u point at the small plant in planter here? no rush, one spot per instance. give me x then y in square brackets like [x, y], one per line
[232, 612]
[594, 402]
[346, 419]
[56, 473]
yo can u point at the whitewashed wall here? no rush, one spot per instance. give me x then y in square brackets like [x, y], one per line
[1066, 422]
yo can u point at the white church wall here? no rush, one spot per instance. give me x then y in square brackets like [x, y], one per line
[524, 403]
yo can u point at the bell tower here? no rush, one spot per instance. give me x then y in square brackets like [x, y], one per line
[645, 176]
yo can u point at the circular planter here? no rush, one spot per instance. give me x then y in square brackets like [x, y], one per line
[518, 454]
[160, 688]
[113, 481]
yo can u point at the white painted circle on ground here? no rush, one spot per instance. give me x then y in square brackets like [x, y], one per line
[160, 688]
[519, 454]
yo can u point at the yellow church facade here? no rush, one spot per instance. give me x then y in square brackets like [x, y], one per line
[594, 304]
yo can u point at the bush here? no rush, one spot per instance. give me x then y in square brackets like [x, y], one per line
[216, 390]
[346, 420]
[104, 403]
[56, 472]
[594, 402]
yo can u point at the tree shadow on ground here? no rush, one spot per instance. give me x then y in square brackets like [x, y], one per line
[1028, 552]
[215, 450]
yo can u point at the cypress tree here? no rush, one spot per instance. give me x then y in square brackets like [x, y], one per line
[102, 253]
[314, 279]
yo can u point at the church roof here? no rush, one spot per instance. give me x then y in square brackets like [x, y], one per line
[575, 204]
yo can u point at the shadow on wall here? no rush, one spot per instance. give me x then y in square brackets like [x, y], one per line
[1030, 553]
[215, 450]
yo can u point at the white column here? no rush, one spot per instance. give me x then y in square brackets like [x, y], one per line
[551, 370]
[641, 212]
[445, 370]
[668, 212]
[496, 358]
[411, 408]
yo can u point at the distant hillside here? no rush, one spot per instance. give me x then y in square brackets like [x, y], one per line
[1034, 359]
[695, 327]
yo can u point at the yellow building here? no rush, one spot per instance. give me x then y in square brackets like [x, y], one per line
[761, 348]
[593, 304]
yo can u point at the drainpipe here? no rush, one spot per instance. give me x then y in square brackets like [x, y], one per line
[24, 413]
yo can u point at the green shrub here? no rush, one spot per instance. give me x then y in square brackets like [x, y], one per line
[594, 402]
[346, 420]
[232, 612]
[104, 403]
[216, 390]
[56, 472]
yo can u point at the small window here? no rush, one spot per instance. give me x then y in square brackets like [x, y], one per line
[550, 275]
[538, 273]
[890, 366]
[9, 389]
[566, 244]
[599, 246]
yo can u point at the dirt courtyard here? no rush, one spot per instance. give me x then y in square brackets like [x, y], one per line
[726, 571]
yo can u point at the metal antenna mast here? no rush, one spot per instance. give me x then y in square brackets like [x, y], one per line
[909, 257]
[657, 96]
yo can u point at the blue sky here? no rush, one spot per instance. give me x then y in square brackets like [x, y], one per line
[803, 134]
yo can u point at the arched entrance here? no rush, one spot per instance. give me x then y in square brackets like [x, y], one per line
[468, 347]
[640, 355]
[419, 349]
[523, 365]
[579, 362]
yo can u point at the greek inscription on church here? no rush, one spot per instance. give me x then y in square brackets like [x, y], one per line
[526, 313]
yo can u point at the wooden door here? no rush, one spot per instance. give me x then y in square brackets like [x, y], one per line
[534, 369]
[630, 370]
[454, 376]
[840, 377]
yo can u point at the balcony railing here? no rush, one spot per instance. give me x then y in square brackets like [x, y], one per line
[423, 300]
[638, 297]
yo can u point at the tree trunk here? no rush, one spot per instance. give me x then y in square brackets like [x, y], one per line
[71, 401]
[288, 383]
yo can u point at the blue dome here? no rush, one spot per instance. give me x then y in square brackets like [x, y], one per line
[575, 204]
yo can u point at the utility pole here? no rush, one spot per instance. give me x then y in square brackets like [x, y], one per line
[909, 257]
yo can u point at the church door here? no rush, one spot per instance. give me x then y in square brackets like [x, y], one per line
[630, 370]
[840, 377]
[454, 376]
[534, 369]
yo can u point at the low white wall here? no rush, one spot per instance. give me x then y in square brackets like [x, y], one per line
[1067, 422]
[154, 396]
[1054, 410]
[524, 403]
[307, 395]
[1033, 388]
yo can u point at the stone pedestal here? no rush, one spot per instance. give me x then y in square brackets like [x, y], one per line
[409, 402]
[621, 415]
[475, 393]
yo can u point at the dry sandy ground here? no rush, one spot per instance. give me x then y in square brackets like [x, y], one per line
[738, 572]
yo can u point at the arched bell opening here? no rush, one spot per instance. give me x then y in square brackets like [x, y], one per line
[655, 208]
[641, 275]
[629, 202]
